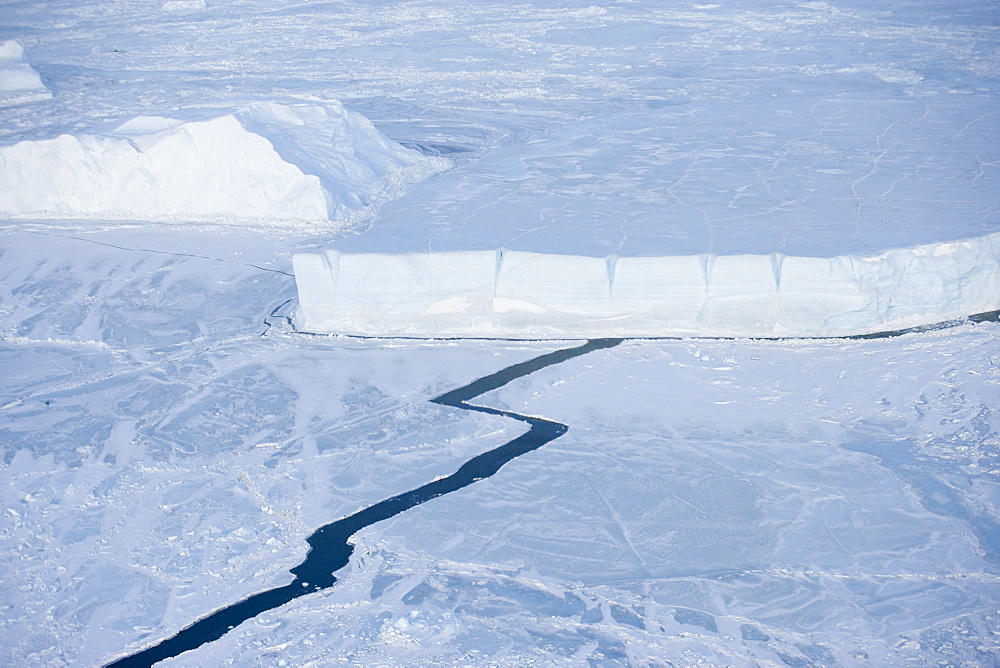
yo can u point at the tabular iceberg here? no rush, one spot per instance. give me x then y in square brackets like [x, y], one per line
[19, 82]
[265, 162]
[520, 295]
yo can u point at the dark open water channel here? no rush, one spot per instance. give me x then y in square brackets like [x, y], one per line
[329, 549]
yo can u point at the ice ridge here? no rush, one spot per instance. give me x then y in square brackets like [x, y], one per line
[522, 295]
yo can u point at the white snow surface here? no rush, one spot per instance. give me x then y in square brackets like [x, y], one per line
[513, 294]
[301, 162]
[19, 82]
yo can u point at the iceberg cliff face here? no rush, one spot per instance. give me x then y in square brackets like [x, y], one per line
[309, 162]
[512, 294]
[19, 82]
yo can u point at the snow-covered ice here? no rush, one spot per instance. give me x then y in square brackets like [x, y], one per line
[19, 82]
[768, 501]
[521, 295]
[167, 441]
[829, 165]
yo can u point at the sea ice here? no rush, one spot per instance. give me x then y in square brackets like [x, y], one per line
[267, 161]
[19, 82]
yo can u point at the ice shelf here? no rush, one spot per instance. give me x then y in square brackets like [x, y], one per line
[522, 295]
[265, 162]
[19, 82]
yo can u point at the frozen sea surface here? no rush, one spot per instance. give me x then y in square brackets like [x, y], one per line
[166, 443]
[838, 167]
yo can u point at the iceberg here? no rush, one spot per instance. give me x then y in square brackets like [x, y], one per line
[520, 295]
[19, 82]
[183, 5]
[265, 162]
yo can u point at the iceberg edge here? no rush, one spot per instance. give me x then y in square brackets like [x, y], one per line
[521, 295]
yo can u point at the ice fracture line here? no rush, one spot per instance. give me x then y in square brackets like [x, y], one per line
[329, 546]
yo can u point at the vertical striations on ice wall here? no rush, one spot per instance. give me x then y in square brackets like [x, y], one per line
[512, 294]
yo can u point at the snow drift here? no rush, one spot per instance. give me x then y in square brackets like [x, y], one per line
[513, 294]
[264, 162]
[19, 82]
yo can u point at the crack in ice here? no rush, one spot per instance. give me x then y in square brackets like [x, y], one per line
[330, 546]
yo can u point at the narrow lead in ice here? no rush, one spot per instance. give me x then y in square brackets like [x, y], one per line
[537, 296]
[19, 82]
[265, 162]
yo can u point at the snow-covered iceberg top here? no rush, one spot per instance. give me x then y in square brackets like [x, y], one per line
[19, 82]
[265, 162]
[514, 294]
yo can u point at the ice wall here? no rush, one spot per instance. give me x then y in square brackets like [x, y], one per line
[263, 162]
[19, 82]
[513, 294]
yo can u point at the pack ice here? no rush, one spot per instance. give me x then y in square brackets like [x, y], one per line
[19, 82]
[522, 295]
[268, 161]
